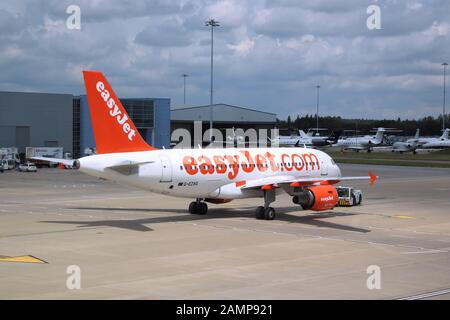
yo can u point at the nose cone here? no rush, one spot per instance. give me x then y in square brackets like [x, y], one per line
[337, 171]
[333, 169]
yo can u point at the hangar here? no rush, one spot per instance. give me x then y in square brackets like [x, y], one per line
[224, 116]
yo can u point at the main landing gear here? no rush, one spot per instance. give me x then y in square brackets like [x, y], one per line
[266, 212]
[262, 212]
[198, 207]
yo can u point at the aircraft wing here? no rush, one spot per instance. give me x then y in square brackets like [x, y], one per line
[272, 180]
[356, 147]
[67, 162]
[276, 181]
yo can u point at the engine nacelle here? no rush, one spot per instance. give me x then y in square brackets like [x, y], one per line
[317, 198]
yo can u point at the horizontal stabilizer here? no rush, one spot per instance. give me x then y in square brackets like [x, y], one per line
[66, 162]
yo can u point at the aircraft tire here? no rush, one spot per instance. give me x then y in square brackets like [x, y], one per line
[269, 213]
[259, 213]
[203, 208]
[193, 207]
[198, 207]
[353, 201]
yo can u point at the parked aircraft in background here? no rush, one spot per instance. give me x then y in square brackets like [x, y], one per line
[214, 175]
[409, 146]
[423, 140]
[362, 143]
[304, 139]
[437, 143]
[319, 141]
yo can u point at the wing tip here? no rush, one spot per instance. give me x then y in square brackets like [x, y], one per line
[373, 178]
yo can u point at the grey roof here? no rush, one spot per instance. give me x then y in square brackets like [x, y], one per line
[221, 113]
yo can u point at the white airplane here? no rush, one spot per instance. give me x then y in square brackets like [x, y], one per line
[362, 143]
[437, 143]
[207, 175]
[409, 146]
[319, 141]
[421, 141]
[303, 139]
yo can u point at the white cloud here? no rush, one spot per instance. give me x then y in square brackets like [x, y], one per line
[228, 12]
[242, 48]
[268, 53]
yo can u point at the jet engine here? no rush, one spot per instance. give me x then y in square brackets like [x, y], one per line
[317, 198]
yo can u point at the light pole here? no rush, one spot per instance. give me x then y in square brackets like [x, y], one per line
[317, 112]
[184, 87]
[445, 64]
[211, 23]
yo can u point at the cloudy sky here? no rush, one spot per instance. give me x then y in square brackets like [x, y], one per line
[269, 55]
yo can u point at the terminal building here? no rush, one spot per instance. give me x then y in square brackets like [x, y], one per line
[36, 119]
[63, 120]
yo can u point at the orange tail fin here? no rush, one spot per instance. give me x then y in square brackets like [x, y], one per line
[113, 129]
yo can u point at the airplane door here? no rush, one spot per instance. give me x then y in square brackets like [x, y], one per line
[323, 167]
[166, 169]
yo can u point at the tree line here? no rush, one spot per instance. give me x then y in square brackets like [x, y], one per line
[428, 125]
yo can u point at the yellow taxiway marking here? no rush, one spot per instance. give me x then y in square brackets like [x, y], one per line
[21, 259]
[404, 217]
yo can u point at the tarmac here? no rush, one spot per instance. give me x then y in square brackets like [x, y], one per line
[131, 244]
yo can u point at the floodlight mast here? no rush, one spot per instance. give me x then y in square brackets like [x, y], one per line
[211, 23]
[184, 87]
[317, 111]
[445, 64]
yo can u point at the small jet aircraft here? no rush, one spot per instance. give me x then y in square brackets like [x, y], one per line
[438, 143]
[304, 139]
[409, 146]
[422, 141]
[213, 175]
[362, 143]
